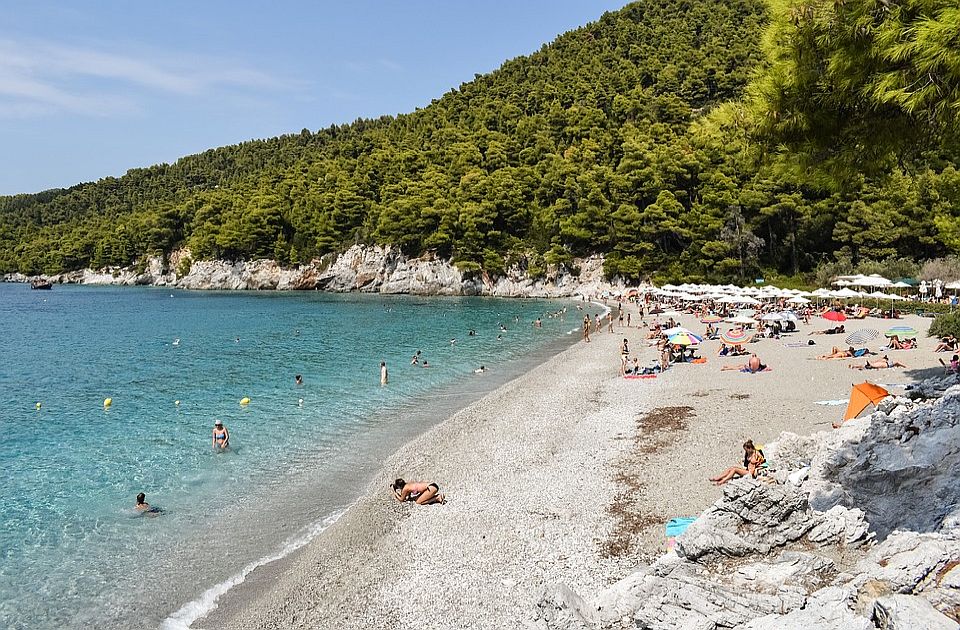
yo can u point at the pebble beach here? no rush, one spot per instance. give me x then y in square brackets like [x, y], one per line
[565, 474]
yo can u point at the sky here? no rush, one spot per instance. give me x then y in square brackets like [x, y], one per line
[92, 89]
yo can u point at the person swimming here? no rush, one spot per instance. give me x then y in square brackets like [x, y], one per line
[480, 370]
[221, 436]
[299, 379]
[145, 508]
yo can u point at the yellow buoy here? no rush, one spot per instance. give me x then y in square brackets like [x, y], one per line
[38, 406]
[244, 401]
[107, 402]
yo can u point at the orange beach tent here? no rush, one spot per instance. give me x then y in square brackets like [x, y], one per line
[863, 395]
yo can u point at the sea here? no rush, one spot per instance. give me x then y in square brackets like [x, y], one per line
[73, 551]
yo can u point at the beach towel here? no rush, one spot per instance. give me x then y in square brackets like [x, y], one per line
[634, 376]
[749, 371]
[699, 360]
[675, 527]
[860, 352]
[796, 344]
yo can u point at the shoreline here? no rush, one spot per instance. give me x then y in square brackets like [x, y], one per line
[562, 486]
[405, 424]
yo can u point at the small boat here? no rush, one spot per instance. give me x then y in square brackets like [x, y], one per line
[42, 285]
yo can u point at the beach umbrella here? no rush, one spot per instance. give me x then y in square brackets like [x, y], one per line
[861, 337]
[772, 317]
[685, 339]
[798, 300]
[742, 319]
[787, 316]
[863, 395]
[736, 337]
[834, 316]
[676, 330]
[711, 319]
[904, 332]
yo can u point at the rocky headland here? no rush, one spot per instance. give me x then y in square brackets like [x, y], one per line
[857, 528]
[367, 269]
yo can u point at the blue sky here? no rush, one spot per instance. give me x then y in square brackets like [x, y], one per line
[91, 89]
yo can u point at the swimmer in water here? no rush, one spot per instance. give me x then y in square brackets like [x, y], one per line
[299, 379]
[383, 372]
[145, 508]
[176, 341]
[416, 358]
[480, 370]
[426, 364]
[221, 436]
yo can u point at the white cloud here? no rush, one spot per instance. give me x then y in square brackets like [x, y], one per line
[38, 77]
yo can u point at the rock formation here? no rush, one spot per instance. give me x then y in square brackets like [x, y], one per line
[858, 528]
[369, 269]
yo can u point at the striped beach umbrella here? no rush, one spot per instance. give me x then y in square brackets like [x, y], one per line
[711, 319]
[904, 332]
[861, 337]
[685, 339]
[736, 337]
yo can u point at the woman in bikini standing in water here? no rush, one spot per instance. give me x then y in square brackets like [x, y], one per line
[221, 437]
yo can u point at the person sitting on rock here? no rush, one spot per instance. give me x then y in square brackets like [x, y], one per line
[753, 459]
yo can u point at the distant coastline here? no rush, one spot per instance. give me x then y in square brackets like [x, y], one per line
[367, 269]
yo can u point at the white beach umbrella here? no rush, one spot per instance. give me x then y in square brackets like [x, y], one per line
[789, 316]
[847, 293]
[741, 319]
[900, 285]
[798, 300]
[747, 300]
[841, 283]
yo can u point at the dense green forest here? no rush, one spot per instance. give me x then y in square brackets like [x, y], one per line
[684, 139]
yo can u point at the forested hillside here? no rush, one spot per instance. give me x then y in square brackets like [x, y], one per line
[634, 136]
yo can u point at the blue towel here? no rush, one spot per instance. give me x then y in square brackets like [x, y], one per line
[677, 526]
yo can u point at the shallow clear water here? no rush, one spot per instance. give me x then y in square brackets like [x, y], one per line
[73, 553]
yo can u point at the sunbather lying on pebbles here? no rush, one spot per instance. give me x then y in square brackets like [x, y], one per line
[420, 492]
[879, 364]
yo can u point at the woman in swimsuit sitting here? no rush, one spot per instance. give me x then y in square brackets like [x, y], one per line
[221, 437]
[419, 492]
[752, 461]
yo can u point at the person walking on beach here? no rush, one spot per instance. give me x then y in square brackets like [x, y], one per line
[419, 492]
[586, 328]
[221, 436]
[383, 372]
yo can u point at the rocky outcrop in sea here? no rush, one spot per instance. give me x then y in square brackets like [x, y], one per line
[368, 269]
[857, 528]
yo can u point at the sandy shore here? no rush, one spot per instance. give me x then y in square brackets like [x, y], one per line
[567, 473]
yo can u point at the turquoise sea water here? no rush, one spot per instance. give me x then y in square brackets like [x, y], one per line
[73, 553]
